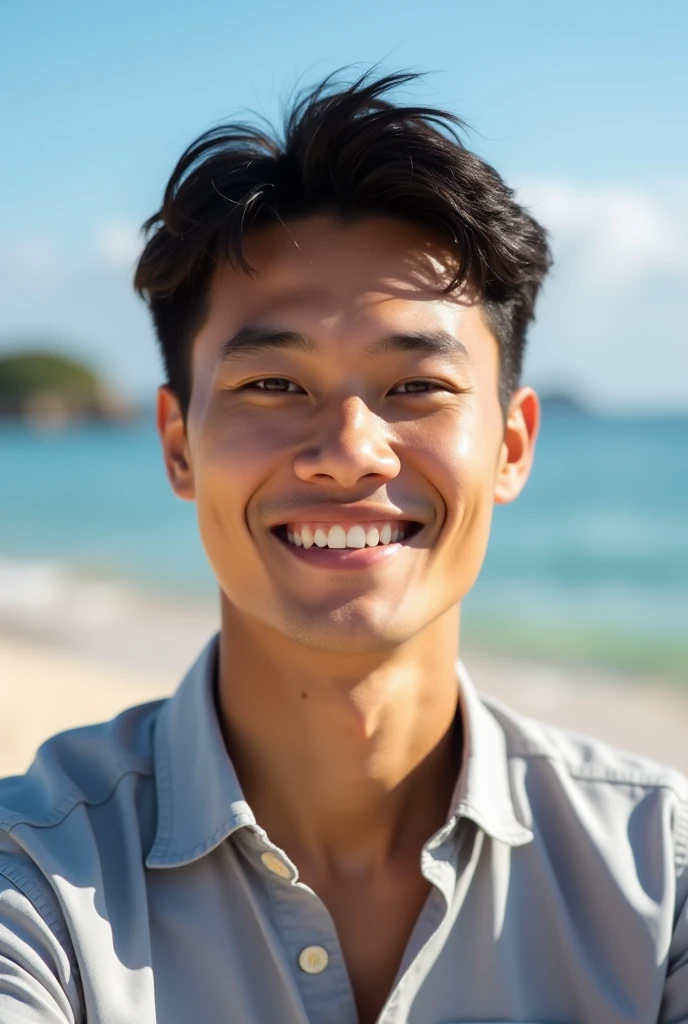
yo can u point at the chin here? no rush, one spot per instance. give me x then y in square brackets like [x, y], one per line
[347, 632]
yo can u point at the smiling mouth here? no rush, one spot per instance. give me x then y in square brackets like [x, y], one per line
[342, 536]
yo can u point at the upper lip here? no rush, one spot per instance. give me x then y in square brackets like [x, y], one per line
[343, 514]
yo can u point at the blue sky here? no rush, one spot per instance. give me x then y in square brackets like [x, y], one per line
[580, 106]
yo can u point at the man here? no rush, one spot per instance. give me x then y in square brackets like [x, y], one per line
[326, 824]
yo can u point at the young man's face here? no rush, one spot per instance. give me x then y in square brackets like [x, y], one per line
[376, 408]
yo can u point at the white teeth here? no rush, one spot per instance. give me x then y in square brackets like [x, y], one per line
[356, 537]
[306, 537]
[372, 537]
[336, 538]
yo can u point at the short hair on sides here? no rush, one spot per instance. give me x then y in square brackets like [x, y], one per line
[350, 152]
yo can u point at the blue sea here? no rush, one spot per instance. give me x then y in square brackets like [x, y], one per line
[589, 566]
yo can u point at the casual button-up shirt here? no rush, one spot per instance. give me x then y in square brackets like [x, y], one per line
[136, 885]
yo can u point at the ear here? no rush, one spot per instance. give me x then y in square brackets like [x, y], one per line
[518, 445]
[175, 446]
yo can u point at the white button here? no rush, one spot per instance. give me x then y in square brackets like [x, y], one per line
[313, 959]
[276, 865]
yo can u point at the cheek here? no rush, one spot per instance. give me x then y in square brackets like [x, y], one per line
[476, 470]
[459, 458]
[474, 484]
[235, 447]
[232, 457]
[460, 463]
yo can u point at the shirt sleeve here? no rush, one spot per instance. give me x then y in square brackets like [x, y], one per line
[38, 981]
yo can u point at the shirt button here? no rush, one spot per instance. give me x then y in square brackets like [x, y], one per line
[276, 865]
[313, 959]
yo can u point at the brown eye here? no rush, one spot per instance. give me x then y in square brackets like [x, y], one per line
[419, 387]
[274, 385]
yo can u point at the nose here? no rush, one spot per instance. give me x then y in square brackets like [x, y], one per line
[350, 446]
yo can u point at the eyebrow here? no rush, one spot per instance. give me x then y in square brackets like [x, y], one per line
[430, 342]
[253, 340]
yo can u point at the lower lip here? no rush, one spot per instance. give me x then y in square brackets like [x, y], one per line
[343, 558]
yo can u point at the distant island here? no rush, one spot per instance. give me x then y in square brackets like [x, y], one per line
[48, 389]
[562, 401]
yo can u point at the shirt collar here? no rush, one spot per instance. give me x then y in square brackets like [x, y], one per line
[483, 789]
[200, 800]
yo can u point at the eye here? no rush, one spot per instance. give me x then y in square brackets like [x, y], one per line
[418, 387]
[273, 385]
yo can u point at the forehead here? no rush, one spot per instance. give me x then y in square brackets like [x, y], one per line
[323, 270]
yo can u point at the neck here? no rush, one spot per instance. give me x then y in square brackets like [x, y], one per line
[346, 761]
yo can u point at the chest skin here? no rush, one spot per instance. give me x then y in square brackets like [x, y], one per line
[374, 919]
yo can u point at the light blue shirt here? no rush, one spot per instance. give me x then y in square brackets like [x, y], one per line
[137, 887]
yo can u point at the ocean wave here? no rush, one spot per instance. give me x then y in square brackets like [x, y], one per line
[50, 592]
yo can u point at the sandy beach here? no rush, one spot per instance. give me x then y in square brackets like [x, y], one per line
[47, 687]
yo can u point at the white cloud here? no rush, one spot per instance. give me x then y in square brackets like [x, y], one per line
[119, 243]
[614, 234]
[611, 320]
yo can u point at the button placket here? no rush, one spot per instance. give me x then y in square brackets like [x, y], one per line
[312, 945]
[450, 866]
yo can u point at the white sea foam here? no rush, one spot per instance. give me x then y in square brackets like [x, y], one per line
[47, 600]
[48, 592]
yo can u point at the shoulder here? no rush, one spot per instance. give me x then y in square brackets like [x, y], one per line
[82, 766]
[579, 755]
[567, 779]
[80, 813]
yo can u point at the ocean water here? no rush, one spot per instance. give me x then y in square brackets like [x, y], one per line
[589, 566]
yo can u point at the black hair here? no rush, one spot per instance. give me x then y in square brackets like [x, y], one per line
[350, 152]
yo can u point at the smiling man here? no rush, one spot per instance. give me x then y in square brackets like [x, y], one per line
[326, 824]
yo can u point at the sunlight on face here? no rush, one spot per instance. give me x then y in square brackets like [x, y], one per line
[338, 380]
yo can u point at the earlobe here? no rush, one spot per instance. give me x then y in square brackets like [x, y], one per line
[518, 445]
[175, 446]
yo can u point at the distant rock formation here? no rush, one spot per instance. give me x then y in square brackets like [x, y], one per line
[562, 401]
[50, 390]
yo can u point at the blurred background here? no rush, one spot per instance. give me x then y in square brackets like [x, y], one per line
[584, 594]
